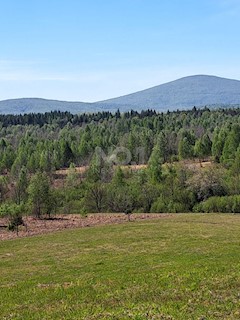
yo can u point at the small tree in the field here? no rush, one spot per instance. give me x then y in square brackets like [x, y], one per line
[13, 213]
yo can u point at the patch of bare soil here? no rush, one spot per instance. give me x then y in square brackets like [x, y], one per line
[61, 222]
[198, 165]
[65, 171]
[83, 169]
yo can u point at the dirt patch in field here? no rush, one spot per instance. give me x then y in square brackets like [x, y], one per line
[61, 222]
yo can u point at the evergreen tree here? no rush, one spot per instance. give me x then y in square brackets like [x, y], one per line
[155, 165]
[203, 147]
[231, 144]
[67, 155]
[219, 138]
[118, 177]
[185, 149]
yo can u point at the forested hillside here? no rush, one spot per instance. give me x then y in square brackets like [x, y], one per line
[34, 146]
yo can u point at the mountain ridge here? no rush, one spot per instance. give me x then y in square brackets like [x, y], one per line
[198, 90]
[183, 93]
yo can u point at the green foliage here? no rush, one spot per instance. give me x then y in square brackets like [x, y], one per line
[179, 201]
[9, 209]
[231, 145]
[186, 144]
[100, 169]
[118, 177]
[95, 197]
[66, 153]
[53, 140]
[235, 168]
[218, 142]
[226, 204]
[185, 149]
[203, 147]
[162, 146]
[155, 165]
[145, 195]
[40, 194]
[120, 198]
[35, 143]
[3, 188]
[14, 214]
[174, 196]
[21, 185]
[162, 205]
[72, 179]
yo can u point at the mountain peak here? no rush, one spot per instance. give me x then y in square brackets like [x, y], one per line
[186, 92]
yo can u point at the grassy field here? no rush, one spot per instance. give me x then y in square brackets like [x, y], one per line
[177, 267]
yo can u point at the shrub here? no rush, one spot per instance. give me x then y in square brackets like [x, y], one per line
[225, 204]
[14, 214]
[162, 205]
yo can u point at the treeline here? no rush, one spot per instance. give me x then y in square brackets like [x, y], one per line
[59, 139]
[62, 118]
[33, 147]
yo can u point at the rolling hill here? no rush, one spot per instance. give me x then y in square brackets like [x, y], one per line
[33, 105]
[184, 93]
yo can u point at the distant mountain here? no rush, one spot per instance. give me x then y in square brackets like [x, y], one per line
[33, 105]
[185, 93]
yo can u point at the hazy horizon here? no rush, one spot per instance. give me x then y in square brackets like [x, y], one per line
[110, 98]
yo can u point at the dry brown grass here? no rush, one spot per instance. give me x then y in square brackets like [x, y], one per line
[69, 221]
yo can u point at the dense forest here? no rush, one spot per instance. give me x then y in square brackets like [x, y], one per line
[34, 146]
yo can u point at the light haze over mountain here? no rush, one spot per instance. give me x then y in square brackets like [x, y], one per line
[184, 93]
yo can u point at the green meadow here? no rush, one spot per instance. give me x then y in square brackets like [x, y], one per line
[183, 266]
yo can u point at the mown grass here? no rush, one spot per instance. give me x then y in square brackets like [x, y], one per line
[178, 267]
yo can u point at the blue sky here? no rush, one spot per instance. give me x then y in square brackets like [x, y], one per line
[97, 49]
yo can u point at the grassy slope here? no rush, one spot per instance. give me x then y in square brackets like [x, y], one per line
[179, 267]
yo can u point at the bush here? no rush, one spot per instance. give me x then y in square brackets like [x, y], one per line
[163, 205]
[197, 208]
[74, 207]
[14, 214]
[159, 206]
[225, 204]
